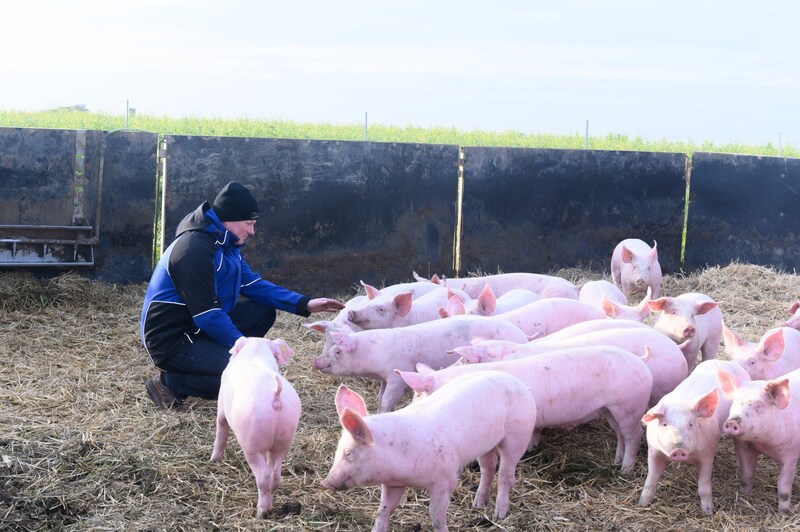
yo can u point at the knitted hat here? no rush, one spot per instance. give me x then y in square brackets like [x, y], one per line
[235, 203]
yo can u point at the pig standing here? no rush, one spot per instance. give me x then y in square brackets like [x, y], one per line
[544, 285]
[571, 386]
[693, 317]
[585, 327]
[550, 314]
[765, 419]
[794, 321]
[377, 353]
[685, 426]
[426, 444]
[775, 354]
[635, 266]
[610, 299]
[403, 310]
[262, 408]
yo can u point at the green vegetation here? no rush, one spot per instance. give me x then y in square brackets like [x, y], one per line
[75, 118]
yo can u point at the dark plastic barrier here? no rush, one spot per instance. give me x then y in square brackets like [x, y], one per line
[539, 209]
[743, 208]
[332, 213]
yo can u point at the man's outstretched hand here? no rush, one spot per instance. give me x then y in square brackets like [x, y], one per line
[324, 304]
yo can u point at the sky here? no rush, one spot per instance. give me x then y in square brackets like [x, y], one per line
[699, 70]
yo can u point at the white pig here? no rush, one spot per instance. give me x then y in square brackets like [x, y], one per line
[584, 327]
[571, 387]
[635, 266]
[544, 285]
[376, 353]
[487, 304]
[765, 419]
[694, 317]
[794, 321]
[685, 426]
[262, 408]
[550, 314]
[775, 354]
[403, 310]
[610, 299]
[426, 444]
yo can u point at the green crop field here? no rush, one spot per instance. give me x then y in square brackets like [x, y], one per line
[204, 126]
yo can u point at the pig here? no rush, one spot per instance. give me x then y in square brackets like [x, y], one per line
[402, 310]
[426, 444]
[376, 353]
[685, 426]
[262, 408]
[550, 314]
[635, 266]
[614, 304]
[664, 358]
[694, 317]
[544, 285]
[775, 354]
[571, 386]
[794, 321]
[765, 419]
[584, 327]
[487, 304]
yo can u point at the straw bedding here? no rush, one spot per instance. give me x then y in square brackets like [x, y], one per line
[83, 447]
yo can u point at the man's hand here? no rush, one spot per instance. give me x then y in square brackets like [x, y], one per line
[323, 304]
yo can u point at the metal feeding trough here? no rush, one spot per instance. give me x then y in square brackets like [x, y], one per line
[49, 244]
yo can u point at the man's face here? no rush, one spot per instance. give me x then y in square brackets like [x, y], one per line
[242, 229]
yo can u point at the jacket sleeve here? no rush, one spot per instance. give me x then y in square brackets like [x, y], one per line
[272, 295]
[192, 271]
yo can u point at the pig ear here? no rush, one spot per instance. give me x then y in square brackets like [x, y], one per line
[424, 368]
[346, 341]
[627, 255]
[778, 391]
[419, 382]
[443, 313]
[773, 345]
[705, 307]
[455, 307]
[240, 343]
[356, 426]
[417, 277]
[657, 305]
[347, 398]
[469, 353]
[281, 351]
[487, 302]
[794, 307]
[610, 308]
[403, 302]
[730, 338]
[706, 405]
[654, 252]
[435, 279]
[319, 326]
[644, 306]
[371, 291]
[727, 383]
[654, 413]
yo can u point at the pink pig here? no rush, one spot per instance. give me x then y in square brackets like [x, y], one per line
[794, 321]
[662, 357]
[426, 444]
[550, 314]
[685, 426]
[610, 299]
[262, 408]
[402, 310]
[775, 354]
[544, 285]
[585, 327]
[693, 317]
[765, 419]
[571, 387]
[377, 353]
[635, 266]
[487, 304]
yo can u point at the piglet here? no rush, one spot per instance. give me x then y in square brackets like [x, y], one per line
[685, 426]
[776, 353]
[262, 408]
[426, 444]
[765, 419]
[544, 285]
[614, 304]
[635, 266]
[402, 310]
[550, 314]
[694, 317]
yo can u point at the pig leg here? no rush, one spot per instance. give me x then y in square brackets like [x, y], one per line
[620, 452]
[704, 469]
[381, 390]
[262, 471]
[390, 498]
[223, 429]
[785, 481]
[630, 431]
[440, 500]
[656, 464]
[510, 453]
[395, 388]
[711, 346]
[487, 463]
[747, 460]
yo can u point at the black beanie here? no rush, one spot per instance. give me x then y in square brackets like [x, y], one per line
[235, 203]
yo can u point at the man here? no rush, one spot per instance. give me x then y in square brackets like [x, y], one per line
[192, 313]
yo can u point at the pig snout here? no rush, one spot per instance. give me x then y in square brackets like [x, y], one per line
[334, 484]
[689, 332]
[733, 426]
[352, 316]
[679, 455]
[321, 363]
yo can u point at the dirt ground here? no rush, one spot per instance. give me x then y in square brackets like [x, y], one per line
[83, 447]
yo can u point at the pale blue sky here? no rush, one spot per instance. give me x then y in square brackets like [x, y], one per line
[724, 71]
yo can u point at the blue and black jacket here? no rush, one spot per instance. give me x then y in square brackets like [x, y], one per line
[197, 283]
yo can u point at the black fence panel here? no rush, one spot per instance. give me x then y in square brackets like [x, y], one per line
[540, 209]
[332, 213]
[743, 208]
